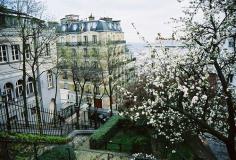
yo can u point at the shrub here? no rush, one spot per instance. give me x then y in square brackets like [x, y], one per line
[141, 144]
[105, 132]
[64, 152]
[181, 153]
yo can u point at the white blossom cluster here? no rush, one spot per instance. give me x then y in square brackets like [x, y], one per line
[143, 156]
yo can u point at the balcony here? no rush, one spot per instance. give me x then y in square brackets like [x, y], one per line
[89, 43]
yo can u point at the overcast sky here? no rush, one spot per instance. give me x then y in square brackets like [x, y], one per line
[149, 16]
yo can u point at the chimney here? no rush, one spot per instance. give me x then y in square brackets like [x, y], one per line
[91, 17]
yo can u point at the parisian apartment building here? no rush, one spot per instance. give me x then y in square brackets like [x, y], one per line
[97, 46]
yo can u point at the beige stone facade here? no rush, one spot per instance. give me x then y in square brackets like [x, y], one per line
[100, 45]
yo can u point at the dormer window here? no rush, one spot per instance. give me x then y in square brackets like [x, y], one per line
[82, 27]
[110, 26]
[63, 28]
[75, 27]
[94, 25]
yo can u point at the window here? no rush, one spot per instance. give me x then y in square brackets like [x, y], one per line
[231, 77]
[47, 49]
[231, 44]
[96, 90]
[88, 89]
[27, 51]
[62, 39]
[50, 79]
[15, 52]
[64, 28]
[94, 39]
[3, 53]
[95, 52]
[30, 88]
[33, 110]
[8, 88]
[75, 26]
[74, 39]
[86, 39]
[19, 88]
[94, 25]
[65, 76]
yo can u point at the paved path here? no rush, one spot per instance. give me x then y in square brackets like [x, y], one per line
[81, 144]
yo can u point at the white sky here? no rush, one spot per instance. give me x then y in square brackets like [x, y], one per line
[149, 16]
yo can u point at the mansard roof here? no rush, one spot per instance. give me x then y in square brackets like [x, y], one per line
[94, 25]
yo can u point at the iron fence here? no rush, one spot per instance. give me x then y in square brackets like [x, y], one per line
[14, 117]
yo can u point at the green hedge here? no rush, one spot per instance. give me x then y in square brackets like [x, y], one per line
[105, 132]
[34, 138]
[64, 152]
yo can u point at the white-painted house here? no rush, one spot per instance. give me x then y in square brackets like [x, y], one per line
[11, 64]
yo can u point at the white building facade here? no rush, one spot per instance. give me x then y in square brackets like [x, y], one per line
[11, 60]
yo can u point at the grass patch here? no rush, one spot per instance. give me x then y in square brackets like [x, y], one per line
[129, 141]
[183, 152]
[64, 152]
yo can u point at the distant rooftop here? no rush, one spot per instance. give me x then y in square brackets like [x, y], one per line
[169, 43]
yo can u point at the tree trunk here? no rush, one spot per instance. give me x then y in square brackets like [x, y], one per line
[231, 149]
[55, 102]
[38, 114]
[4, 150]
[76, 101]
[24, 81]
[78, 107]
[76, 91]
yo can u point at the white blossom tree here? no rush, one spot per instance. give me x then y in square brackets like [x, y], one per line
[183, 99]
